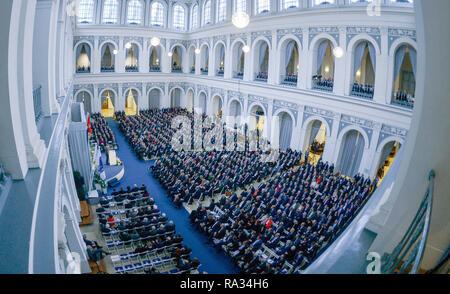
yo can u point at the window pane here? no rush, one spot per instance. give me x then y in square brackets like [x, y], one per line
[85, 11]
[221, 10]
[134, 12]
[194, 20]
[157, 18]
[240, 6]
[262, 6]
[111, 11]
[207, 13]
[178, 17]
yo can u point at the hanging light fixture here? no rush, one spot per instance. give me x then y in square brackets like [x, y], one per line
[115, 51]
[240, 19]
[170, 54]
[245, 49]
[197, 51]
[128, 45]
[155, 41]
[338, 52]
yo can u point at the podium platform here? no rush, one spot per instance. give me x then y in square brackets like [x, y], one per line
[112, 157]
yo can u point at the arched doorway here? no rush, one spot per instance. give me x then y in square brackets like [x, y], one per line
[315, 139]
[83, 58]
[85, 98]
[323, 73]
[204, 59]
[289, 63]
[350, 154]
[175, 98]
[220, 59]
[405, 67]
[387, 157]
[261, 53]
[132, 58]
[155, 59]
[190, 100]
[217, 106]
[202, 102]
[108, 58]
[108, 99]
[131, 106]
[285, 130]
[364, 61]
[154, 99]
[256, 120]
[238, 60]
[235, 114]
[177, 56]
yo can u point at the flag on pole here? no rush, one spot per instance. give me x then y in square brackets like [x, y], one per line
[89, 125]
[101, 169]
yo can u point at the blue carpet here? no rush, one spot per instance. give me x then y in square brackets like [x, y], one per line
[212, 260]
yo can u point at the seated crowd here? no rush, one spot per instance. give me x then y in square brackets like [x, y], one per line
[194, 175]
[150, 133]
[293, 215]
[102, 134]
[132, 216]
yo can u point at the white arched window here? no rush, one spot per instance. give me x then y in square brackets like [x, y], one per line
[207, 13]
[262, 6]
[221, 10]
[286, 4]
[111, 11]
[194, 17]
[157, 14]
[240, 6]
[85, 11]
[178, 17]
[135, 12]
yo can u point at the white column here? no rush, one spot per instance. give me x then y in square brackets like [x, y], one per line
[144, 57]
[369, 159]
[248, 60]
[44, 52]
[120, 57]
[339, 65]
[228, 70]
[273, 62]
[120, 99]
[383, 86]
[96, 57]
[331, 144]
[12, 154]
[212, 57]
[302, 73]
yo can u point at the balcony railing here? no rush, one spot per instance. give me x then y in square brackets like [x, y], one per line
[193, 70]
[220, 72]
[131, 69]
[407, 255]
[261, 76]
[362, 91]
[322, 85]
[289, 80]
[204, 71]
[155, 68]
[37, 103]
[83, 69]
[238, 75]
[44, 247]
[107, 69]
[403, 100]
[177, 69]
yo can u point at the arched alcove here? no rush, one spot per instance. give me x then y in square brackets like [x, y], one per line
[285, 130]
[83, 55]
[108, 58]
[132, 58]
[315, 139]
[387, 156]
[177, 59]
[405, 70]
[350, 154]
[202, 102]
[154, 99]
[155, 59]
[217, 106]
[363, 71]
[190, 100]
[220, 59]
[323, 72]
[108, 100]
[261, 61]
[235, 112]
[86, 99]
[289, 62]
[131, 102]
[175, 98]
[238, 60]
[204, 59]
